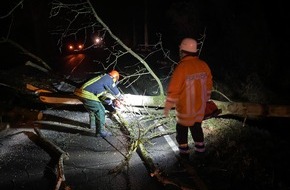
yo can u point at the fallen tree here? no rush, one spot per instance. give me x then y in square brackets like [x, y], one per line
[141, 103]
[138, 102]
[57, 156]
[151, 109]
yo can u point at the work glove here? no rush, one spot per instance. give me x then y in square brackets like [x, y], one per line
[166, 112]
[121, 99]
[167, 107]
[117, 103]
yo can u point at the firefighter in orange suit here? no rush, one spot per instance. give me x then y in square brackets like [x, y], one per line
[188, 91]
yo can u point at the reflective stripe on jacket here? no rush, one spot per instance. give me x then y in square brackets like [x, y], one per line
[86, 94]
[189, 89]
[96, 87]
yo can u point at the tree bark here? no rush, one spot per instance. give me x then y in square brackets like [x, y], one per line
[138, 102]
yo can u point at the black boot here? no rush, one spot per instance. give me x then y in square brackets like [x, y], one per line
[104, 134]
[101, 132]
[184, 152]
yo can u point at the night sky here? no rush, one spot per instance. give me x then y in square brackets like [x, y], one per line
[225, 21]
[245, 35]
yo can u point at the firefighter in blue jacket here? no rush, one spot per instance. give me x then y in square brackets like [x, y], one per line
[91, 94]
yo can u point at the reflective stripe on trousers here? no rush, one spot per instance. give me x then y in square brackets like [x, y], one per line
[196, 133]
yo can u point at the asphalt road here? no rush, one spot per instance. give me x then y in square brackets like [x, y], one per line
[26, 164]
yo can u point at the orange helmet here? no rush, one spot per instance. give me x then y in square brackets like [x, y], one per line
[188, 44]
[115, 74]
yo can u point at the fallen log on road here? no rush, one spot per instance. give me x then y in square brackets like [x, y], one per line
[246, 109]
[56, 153]
[243, 109]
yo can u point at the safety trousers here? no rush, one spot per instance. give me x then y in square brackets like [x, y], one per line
[97, 114]
[182, 138]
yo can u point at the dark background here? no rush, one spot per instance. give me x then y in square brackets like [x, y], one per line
[246, 45]
[243, 41]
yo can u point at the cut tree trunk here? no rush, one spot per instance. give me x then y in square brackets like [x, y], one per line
[243, 109]
[247, 109]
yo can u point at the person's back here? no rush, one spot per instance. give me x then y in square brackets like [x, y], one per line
[190, 86]
[98, 84]
[188, 91]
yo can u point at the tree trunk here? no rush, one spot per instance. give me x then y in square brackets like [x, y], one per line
[243, 109]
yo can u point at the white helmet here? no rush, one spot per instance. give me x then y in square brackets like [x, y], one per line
[188, 44]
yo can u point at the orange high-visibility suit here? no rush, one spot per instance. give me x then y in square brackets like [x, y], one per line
[189, 89]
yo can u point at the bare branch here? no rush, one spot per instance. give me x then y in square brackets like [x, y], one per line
[26, 52]
[20, 4]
